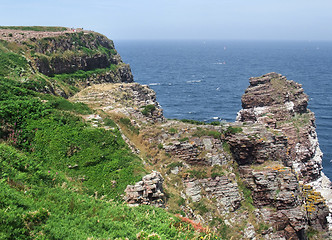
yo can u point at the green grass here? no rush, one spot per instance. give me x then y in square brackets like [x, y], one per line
[43, 212]
[200, 132]
[126, 122]
[63, 104]
[197, 174]
[196, 122]
[172, 130]
[60, 177]
[71, 78]
[233, 130]
[35, 28]
[15, 64]
[175, 164]
[42, 198]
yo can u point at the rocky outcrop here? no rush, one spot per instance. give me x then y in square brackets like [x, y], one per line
[129, 99]
[286, 155]
[280, 104]
[59, 64]
[149, 191]
[191, 151]
[222, 189]
[71, 52]
[257, 144]
[275, 186]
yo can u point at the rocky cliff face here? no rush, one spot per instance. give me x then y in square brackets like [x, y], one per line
[70, 60]
[280, 104]
[261, 175]
[72, 52]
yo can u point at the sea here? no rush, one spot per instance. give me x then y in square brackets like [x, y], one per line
[204, 80]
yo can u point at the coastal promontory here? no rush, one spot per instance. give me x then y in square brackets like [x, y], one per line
[86, 152]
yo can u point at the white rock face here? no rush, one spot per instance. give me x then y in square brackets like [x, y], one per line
[323, 185]
[289, 106]
[193, 190]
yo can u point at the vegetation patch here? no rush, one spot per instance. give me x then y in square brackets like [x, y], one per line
[233, 130]
[197, 174]
[196, 122]
[80, 74]
[148, 110]
[127, 123]
[200, 132]
[174, 165]
[172, 130]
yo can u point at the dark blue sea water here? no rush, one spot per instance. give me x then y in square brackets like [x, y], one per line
[205, 79]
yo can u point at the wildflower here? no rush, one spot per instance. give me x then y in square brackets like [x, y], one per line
[49, 171]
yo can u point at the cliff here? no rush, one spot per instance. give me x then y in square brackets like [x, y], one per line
[257, 178]
[63, 61]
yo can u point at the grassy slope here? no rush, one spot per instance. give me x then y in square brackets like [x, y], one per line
[40, 197]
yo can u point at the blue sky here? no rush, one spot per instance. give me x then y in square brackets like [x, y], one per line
[180, 19]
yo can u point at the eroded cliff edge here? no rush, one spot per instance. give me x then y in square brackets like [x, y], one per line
[261, 176]
[258, 178]
[280, 104]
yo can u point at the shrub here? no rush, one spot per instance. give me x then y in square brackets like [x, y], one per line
[172, 130]
[217, 174]
[109, 122]
[200, 207]
[226, 147]
[233, 130]
[148, 110]
[64, 104]
[192, 121]
[215, 123]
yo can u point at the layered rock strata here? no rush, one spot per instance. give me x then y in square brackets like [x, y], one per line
[280, 106]
[222, 189]
[129, 99]
[149, 191]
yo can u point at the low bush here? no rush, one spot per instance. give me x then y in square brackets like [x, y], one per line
[148, 110]
[172, 130]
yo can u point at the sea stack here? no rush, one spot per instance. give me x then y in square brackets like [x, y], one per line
[281, 105]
